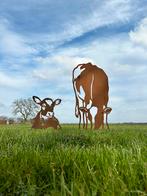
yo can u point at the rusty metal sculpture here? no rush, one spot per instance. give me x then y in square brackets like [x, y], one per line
[106, 111]
[45, 117]
[92, 81]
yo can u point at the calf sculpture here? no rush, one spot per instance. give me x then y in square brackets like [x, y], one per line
[45, 117]
[106, 111]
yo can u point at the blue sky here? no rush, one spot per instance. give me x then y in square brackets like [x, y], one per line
[42, 41]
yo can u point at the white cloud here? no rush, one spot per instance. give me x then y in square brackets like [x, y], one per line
[103, 14]
[72, 25]
[19, 81]
[13, 44]
[98, 14]
[6, 80]
[139, 35]
[57, 67]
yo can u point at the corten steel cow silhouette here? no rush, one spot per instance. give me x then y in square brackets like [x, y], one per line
[93, 82]
[106, 111]
[45, 117]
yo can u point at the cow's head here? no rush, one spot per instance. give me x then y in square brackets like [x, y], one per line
[86, 66]
[47, 106]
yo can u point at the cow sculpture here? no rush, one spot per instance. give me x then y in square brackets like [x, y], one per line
[45, 117]
[90, 84]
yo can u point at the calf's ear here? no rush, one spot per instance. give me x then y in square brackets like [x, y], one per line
[57, 101]
[36, 99]
[107, 110]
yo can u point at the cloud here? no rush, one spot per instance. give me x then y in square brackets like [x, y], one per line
[61, 22]
[57, 67]
[35, 59]
[139, 35]
[104, 14]
[13, 44]
[14, 81]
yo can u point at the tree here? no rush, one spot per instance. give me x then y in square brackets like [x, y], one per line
[26, 108]
[11, 120]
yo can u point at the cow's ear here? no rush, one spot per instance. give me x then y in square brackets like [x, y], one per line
[86, 65]
[57, 101]
[36, 99]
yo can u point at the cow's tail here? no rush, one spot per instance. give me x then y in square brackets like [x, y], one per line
[75, 92]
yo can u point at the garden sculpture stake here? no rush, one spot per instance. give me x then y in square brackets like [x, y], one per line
[45, 117]
[91, 88]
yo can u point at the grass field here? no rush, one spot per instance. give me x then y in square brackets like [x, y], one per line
[73, 162]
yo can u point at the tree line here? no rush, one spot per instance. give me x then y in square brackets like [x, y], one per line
[22, 109]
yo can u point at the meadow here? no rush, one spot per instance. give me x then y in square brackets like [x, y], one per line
[73, 162]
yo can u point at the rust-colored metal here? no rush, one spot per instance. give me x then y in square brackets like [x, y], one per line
[45, 117]
[93, 81]
[106, 111]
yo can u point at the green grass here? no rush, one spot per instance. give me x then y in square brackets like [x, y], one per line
[73, 162]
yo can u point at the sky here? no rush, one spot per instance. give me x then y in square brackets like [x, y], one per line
[42, 41]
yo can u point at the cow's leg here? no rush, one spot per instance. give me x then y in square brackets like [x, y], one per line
[79, 119]
[107, 121]
[103, 120]
[99, 117]
[83, 114]
[59, 126]
[37, 124]
[90, 119]
[91, 115]
[86, 120]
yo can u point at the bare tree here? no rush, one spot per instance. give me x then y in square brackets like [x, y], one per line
[26, 108]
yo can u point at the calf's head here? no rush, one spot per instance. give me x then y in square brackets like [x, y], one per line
[47, 106]
[107, 110]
